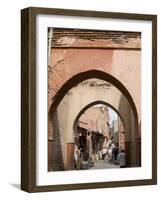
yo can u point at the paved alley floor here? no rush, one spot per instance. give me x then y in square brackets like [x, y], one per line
[101, 164]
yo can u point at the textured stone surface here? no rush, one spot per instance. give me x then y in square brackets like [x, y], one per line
[94, 39]
[75, 51]
[96, 119]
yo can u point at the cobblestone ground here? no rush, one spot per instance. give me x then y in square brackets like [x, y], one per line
[101, 164]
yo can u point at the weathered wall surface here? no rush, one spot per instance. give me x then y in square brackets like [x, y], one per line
[78, 98]
[122, 64]
[95, 119]
[73, 52]
[116, 53]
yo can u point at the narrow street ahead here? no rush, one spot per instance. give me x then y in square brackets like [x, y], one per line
[101, 164]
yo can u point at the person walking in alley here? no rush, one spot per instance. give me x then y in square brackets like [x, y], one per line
[122, 158]
[115, 152]
[104, 152]
[85, 155]
[76, 156]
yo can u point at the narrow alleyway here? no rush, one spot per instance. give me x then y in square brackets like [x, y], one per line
[101, 164]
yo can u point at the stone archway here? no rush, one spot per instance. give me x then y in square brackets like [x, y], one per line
[125, 98]
[129, 127]
[111, 133]
[95, 103]
[92, 74]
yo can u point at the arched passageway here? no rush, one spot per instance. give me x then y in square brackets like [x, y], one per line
[93, 104]
[99, 131]
[68, 97]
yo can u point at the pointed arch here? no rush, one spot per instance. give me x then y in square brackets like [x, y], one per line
[76, 79]
[93, 104]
